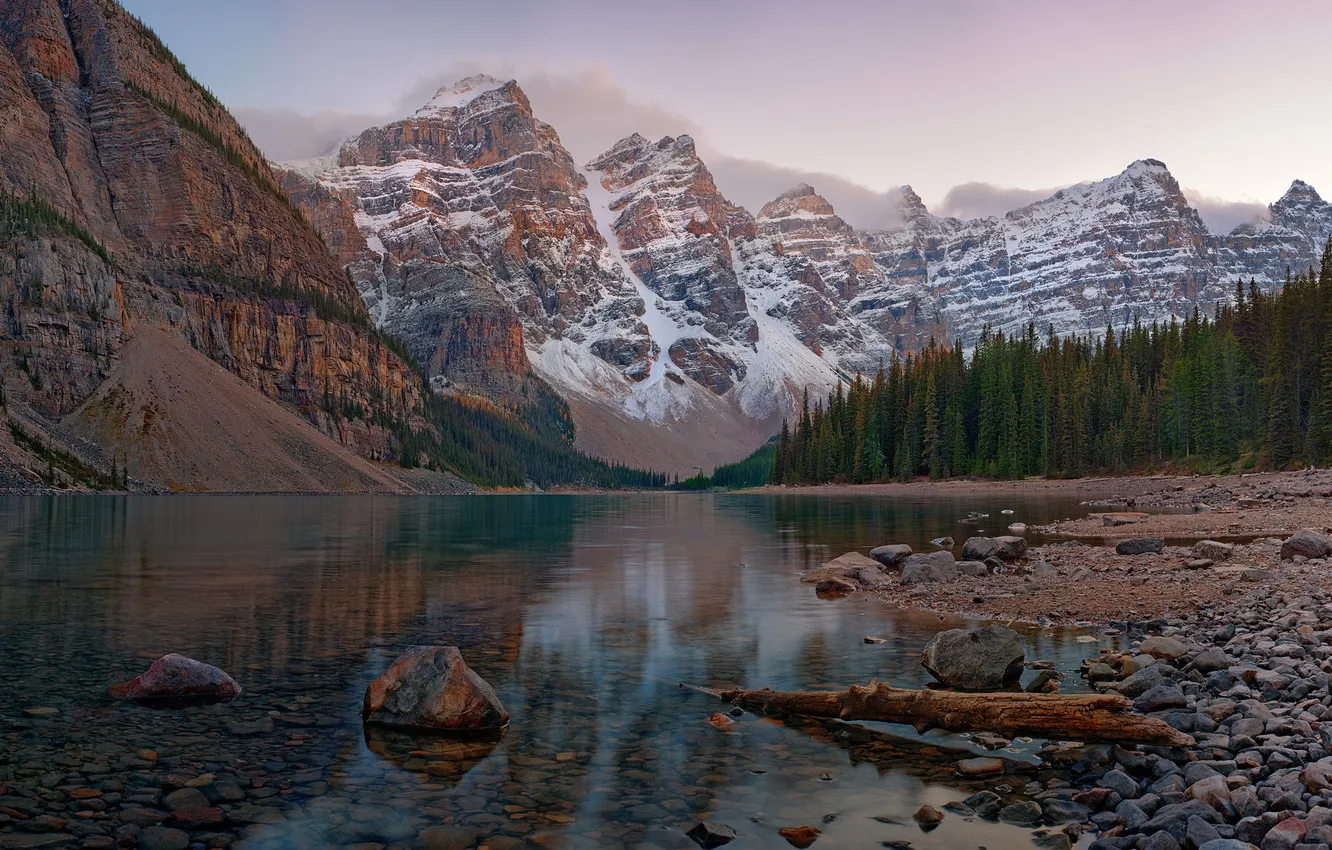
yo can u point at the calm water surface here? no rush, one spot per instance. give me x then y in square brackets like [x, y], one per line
[584, 612]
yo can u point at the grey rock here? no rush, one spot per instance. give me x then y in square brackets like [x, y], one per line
[1140, 546]
[1163, 648]
[1211, 661]
[1121, 783]
[892, 555]
[985, 803]
[973, 569]
[935, 566]
[1140, 682]
[984, 659]
[1161, 697]
[709, 834]
[1213, 551]
[163, 838]
[1307, 542]
[1024, 813]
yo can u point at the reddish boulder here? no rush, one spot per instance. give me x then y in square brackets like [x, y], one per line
[431, 687]
[177, 677]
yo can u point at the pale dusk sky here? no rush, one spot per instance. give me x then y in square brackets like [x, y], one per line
[1233, 96]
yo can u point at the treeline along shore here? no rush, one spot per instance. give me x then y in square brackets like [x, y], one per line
[1250, 387]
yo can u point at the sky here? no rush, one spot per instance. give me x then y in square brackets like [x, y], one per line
[980, 106]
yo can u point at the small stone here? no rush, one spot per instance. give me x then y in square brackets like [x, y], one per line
[928, 817]
[800, 836]
[163, 838]
[1024, 813]
[721, 721]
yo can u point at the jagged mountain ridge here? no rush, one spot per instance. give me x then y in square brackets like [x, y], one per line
[631, 284]
[1107, 253]
[651, 296]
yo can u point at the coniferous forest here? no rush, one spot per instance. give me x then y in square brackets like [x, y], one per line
[1250, 387]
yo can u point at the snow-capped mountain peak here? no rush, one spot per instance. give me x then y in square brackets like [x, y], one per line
[460, 94]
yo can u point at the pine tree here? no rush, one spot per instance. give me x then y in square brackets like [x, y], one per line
[932, 447]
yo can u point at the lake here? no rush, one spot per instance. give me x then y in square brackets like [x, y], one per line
[584, 612]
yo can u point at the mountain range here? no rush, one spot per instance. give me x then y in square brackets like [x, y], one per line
[453, 293]
[682, 328]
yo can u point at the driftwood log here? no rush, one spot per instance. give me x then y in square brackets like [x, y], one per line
[1108, 718]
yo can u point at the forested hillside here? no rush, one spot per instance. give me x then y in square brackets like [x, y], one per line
[1248, 387]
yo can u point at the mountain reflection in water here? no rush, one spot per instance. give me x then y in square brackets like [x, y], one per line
[584, 612]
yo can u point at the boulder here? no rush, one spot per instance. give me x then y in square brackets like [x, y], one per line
[852, 567]
[431, 687]
[979, 548]
[891, 556]
[1006, 548]
[1212, 550]
[984, 659]
[1308, 543]
[176, 677]
[1166, 648]
[1140, 546]
[1011, 548]
[936, 566]
[972, 568]
[943, 542]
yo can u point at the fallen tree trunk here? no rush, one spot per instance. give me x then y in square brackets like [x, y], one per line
[1067, 717]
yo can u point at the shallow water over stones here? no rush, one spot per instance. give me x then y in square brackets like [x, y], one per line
[583, 612]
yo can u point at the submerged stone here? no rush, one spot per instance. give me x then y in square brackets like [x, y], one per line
[176, 677]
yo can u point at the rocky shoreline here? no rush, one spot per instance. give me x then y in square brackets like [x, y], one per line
[1229, 642]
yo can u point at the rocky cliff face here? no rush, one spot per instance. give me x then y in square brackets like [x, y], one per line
[1292, 237]
[159, 210]
[467, 234]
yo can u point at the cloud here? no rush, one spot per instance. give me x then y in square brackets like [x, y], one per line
[589, 110]
[751, 183]
[285, 134]
[1223, 216]
[978, 200]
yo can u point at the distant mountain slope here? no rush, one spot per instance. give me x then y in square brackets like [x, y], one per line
[1096, 255]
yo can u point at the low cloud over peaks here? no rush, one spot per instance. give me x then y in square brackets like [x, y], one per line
[1222, 216]
[978, 200]
[589, 110]
[751, 183]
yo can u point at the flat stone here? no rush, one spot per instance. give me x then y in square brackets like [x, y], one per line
[981, 766]
[1165, 648]
[1140, 546]
[163, 838]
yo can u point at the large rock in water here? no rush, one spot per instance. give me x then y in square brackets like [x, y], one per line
[431, 687]
[1307, 542]
[174, 677]
[985, 659]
